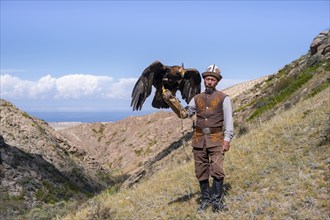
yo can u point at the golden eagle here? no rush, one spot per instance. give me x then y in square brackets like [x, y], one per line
[162, 77]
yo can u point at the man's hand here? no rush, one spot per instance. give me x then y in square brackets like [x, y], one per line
[225, 146]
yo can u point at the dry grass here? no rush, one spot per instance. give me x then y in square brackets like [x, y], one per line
[278, 170]
[282, 171]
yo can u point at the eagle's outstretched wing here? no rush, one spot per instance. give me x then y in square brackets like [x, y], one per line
[191, 84]
[152, 75]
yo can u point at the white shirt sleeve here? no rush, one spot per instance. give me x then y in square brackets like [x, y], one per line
[191, 108]
[228, 119]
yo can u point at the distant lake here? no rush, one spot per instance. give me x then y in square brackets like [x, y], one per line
[87, 117]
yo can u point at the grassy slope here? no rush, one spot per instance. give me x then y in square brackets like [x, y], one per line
[277, 170]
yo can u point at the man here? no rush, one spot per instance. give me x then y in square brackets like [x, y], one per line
[211, 138]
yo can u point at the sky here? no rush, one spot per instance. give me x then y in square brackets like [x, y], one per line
[87, 55]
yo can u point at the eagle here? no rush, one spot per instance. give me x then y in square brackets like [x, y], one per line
[163, 78]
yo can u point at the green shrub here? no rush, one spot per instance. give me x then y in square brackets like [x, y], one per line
[267, 103]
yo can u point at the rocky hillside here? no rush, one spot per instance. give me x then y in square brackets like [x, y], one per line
[296, 81]
[131, 145]
[39, 166]
[238, 89]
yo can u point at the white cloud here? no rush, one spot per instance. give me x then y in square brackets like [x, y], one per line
[73, 86]
[80, 85]
[76, 86]
[14, 87]
[42, 88]
[122, 89]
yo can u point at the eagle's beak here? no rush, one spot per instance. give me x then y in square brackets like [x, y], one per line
[182, 72]
[164, 90]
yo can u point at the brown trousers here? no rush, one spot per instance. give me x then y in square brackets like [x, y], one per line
[209, 162]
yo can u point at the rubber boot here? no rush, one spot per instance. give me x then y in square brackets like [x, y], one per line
[217, 204]
[205, 195]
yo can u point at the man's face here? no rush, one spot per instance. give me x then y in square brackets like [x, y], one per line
[210, 82]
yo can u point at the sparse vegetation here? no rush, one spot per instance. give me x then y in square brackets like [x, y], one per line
[245, 106]
[138, 152]
[286, 88]
[50, 211]
[241, 129]
[9, 204]
[152, 142]
[283, 88]
[26, 115]
[100, 132]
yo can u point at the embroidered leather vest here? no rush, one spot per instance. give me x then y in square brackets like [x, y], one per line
[209, 109]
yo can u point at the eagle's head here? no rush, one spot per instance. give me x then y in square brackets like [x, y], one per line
[178, 71]
[173, 77]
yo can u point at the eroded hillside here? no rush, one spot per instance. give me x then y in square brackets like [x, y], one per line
[131, 145]
[39, 166]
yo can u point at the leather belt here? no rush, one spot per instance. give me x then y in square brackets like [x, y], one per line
[209, 130]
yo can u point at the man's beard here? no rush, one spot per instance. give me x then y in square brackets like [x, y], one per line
[209, 89]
